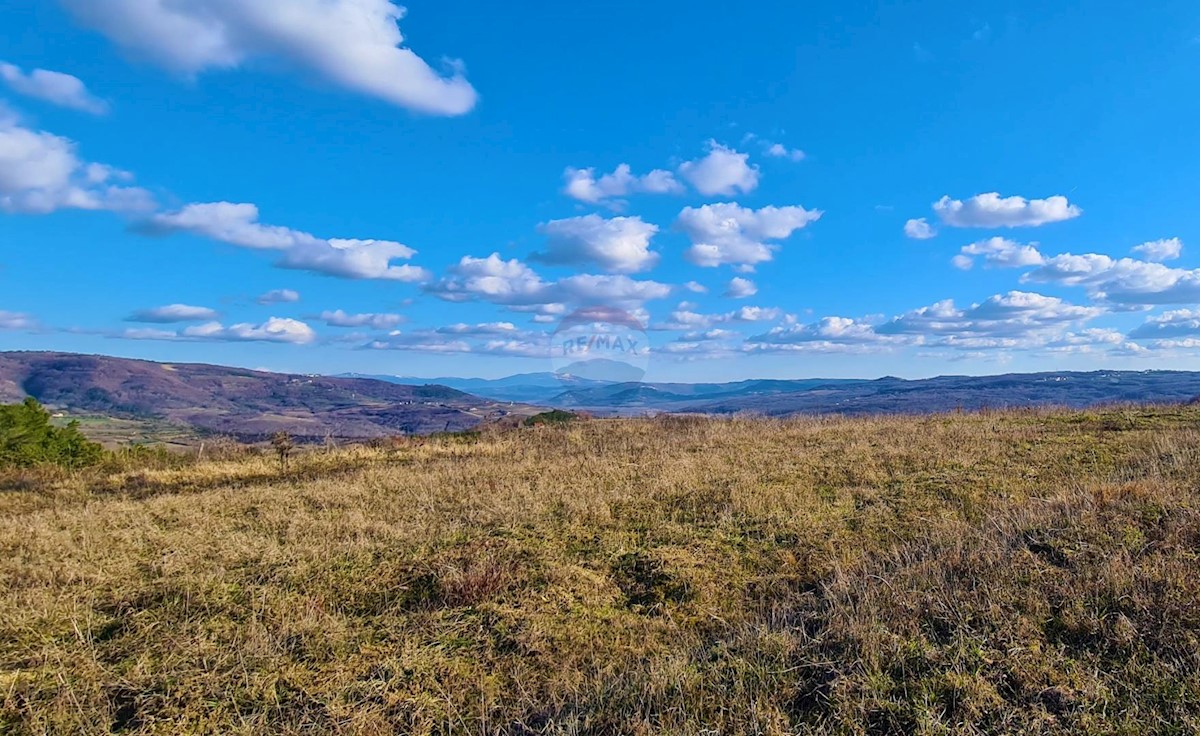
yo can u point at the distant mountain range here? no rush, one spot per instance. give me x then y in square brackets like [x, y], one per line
[238, 402]
[252, 405]
[523, 387]
[834, 396]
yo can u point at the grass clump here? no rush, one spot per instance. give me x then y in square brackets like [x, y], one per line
[1007, 572]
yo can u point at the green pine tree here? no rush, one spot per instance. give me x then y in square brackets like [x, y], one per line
[27, 438]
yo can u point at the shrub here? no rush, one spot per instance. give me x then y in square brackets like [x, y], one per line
[557, 416]
[27, 439]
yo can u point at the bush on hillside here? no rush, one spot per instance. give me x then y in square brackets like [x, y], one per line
[556, 416]
[27, 438]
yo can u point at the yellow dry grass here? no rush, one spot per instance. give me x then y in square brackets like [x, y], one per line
[1029, 572]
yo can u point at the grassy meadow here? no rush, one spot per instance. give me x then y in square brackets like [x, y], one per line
[1019, 572]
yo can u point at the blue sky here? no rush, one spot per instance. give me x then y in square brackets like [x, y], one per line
[780, 189]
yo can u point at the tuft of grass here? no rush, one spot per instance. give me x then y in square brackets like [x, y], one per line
[1003, 572]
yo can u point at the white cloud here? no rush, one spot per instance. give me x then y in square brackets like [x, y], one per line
[275, 329]
[582, 184]
[992, 210]
[279, 296]
[55, 87]
[174, 313]
[999, 253]
[15, 321]
[696, 287]
[355, 259]
[40, 172]
[339, 318]
[1003, 320]
[740, 288]
[512, 283]
[753, 314]
[1124, 281]
[723, 171]
[778, 150]
[483, 328]
[1160, 250]
[508, 343]
[1189, 344]
[492, 279]
[618, 245]
[615, 290]
[356, 44]
[237, 224]
[1087, 341]
[827, 335]
[1172, 324]
[726, 233]
[919, 229]
[424, 341]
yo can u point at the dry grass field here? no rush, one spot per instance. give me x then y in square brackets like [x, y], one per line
[1023, 572]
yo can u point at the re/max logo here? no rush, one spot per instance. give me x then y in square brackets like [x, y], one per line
[610, 343]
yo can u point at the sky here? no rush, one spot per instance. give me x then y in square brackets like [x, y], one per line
[820, 189]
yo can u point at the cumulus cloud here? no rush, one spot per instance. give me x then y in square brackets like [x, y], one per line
[1003, 320]
[618, 245]
[827, 335]
[279, 296]
[355, 259]
[1092, 340]
[727, 233]
[482, 328]
[582, 184]
[475, 339]
[992, 210]
[494, 280]
[999, 253]
[696, 287]
[740, 288]
[339, 318]
[15, 321]
[1172, 324]
[1160, 250]
[1125, 281]
[919, 229]
[275, 329]
[723, 171]
[686, 319]
[237, 224]
[41, 172]
[174, 313]
[355, 44]
[617, 290]
[514, 284]
[54, 87]
[754, 314]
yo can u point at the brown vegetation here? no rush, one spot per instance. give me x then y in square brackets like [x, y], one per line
[1029, 572]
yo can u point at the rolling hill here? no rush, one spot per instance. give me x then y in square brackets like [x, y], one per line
[234, 401]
